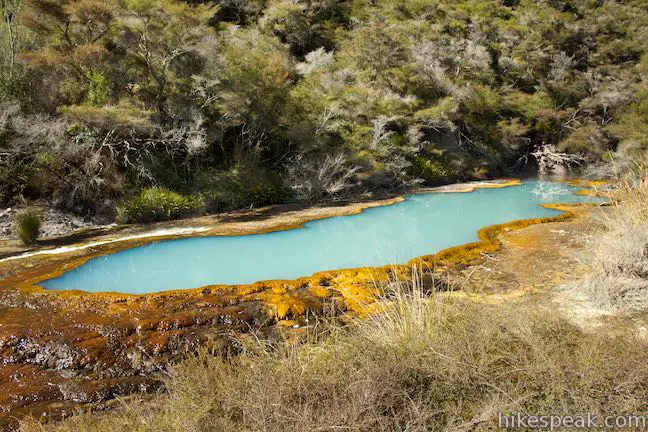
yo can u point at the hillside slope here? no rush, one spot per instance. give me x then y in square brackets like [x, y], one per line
[233, 103]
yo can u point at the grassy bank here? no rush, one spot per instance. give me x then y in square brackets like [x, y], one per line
[423, 364]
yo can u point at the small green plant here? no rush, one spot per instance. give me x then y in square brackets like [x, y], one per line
[98, 88]
[158, 204]
[28, 225]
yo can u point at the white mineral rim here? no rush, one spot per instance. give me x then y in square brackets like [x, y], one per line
[66, 249]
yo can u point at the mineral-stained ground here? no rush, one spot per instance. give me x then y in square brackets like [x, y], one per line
[63, 351]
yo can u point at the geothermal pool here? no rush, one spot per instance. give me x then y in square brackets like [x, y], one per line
[420, 225]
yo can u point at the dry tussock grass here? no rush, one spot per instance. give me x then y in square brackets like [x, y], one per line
[618, 280]
[424, 363]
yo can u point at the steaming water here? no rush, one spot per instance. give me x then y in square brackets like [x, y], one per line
[421, 225]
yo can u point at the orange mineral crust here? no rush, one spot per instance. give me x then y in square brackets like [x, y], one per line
[64, 350]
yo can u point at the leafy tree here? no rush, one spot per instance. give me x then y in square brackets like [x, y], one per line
[256, 77]
[73, 31]
[161, 39]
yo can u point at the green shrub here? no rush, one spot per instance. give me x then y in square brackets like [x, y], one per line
[431, 170]
[14, 176]
[264, 193]
[28, 225]
[98, 88]
[240, 187]
[158, 204]
[235, 196]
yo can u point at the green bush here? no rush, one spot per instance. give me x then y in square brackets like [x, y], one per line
[431, 170]
[235, 196]
[267, 194]
[159, 204]
[28, 225]
[240, 187]
[98, 88]
[14, 177]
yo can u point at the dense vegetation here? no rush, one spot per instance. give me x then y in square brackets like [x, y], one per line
[216, 105]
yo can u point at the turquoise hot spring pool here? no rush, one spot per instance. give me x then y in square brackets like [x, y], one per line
[420, 225]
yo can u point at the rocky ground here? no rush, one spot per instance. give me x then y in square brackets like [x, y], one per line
[56, 223]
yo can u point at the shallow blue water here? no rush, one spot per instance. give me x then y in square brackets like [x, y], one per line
[421, 225]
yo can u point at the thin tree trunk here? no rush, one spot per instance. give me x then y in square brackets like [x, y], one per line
[9, 17]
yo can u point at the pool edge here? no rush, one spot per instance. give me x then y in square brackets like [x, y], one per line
[464, 254]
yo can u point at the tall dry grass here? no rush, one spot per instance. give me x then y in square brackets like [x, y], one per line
[618, 280]
[423, 363]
